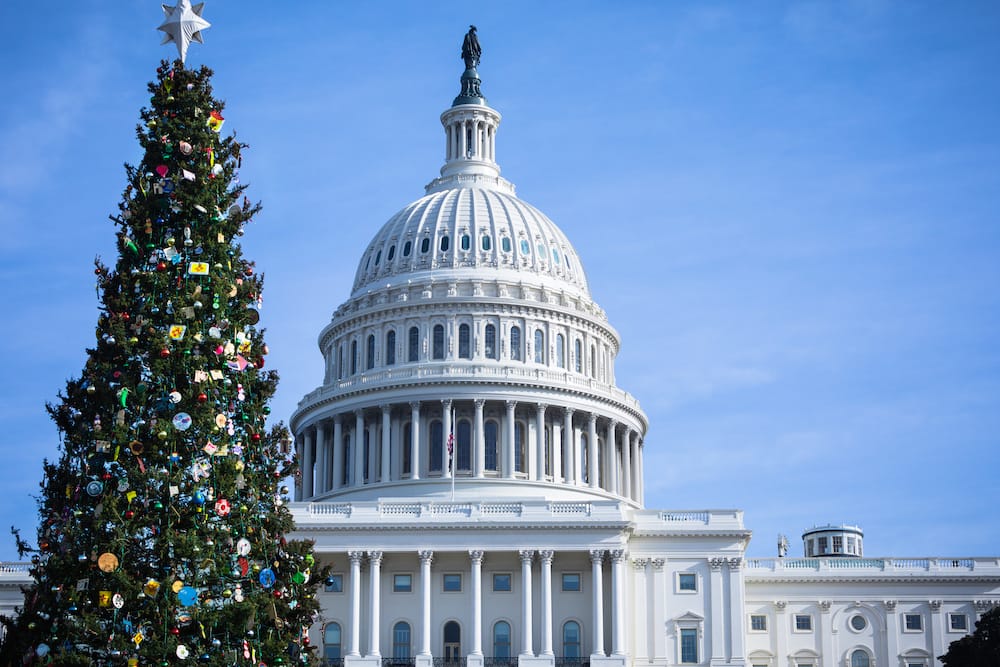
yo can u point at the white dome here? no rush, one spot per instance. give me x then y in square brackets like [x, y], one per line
[471, 232]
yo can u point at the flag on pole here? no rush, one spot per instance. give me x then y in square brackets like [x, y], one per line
[451, 451]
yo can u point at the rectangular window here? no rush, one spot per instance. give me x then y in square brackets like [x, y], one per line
[571, 581]
[452, 583]
[822, 545]
[334, 584]
[809, 548]
[850, 545]
[687, 581]
[838, 544]
[958, 623]
[913, 622]
[501, 583]
[689, 645]
[402, 583]
[803, 623]
[758, 623]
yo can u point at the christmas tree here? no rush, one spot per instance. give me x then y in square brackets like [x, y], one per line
[162, 523]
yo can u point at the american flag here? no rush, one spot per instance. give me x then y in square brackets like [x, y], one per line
[451, 444]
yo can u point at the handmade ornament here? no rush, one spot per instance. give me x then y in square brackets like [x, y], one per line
[182, 25]
[182, 421]
[215, 121]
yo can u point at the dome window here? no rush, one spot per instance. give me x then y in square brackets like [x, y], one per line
[406, 249]
[392, 253]
[466, 242]
[555, 256]
[486, 243]
[525, 247]
[464, 349]
[444, 244]
[378, 257]
[425, 245]
[515, 343]
[438, 341]
[368, 262]
[491, 342]
[505, 244]
[541, 251]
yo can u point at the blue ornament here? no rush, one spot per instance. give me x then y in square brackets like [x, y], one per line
[266, 577]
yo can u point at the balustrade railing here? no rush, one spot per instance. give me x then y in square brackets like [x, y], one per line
[500, 662]
[449, 662]
[398, 662]
[572, 662]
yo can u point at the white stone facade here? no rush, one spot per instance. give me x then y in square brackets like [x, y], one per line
[471, 316]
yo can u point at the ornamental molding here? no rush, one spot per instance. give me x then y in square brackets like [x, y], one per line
[526, 555]
[780, 605]
[735, 564]
[935, 605]
[476, 556]
[715, 564]
[897, 579]
[983, 606]
[597, 555]
[657, 563]
[824, 606]
[546, 556]
[890, 605]
[427, 556]
[640, 564]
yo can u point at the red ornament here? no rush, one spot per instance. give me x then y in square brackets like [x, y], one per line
[106, 476]
[129, 514]
[255, 437]
[126, 317]
[98, 271]
[161, 266]
[202, 398]
[164, 353]
[175, 631]
[306, 641]
[259, 363]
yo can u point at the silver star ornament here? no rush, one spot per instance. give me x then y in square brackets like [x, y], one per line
[183, 24]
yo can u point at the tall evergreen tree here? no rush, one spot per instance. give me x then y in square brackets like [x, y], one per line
[162, 523]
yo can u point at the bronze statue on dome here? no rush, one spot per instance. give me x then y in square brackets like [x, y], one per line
[471, 49]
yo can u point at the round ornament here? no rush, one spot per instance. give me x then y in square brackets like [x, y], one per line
[118, 600]
[220, 420]
[266, 577]
[95, 488]
[187, 596]
[151, 588]
[42, 650]
[182, 651]
[243, 546]
[107, 562]
[182, 421]
[222, 507]
[177, 586]
[185, 147]
[175, 397]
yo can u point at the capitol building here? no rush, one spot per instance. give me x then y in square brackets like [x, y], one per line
[474, 474]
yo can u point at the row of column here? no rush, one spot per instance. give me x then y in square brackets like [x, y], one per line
[482, 146]
[545, 557]
[618, 468]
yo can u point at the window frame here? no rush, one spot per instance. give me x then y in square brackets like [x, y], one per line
[579, 582]
[691, 633]
[390, 347]
[413, 344]
[450, 576]
[758, 617]
[797, 627]
[965, 622]
[438, 342]
[911, 615]
[681, 577]
[510, 582]
[396, 578]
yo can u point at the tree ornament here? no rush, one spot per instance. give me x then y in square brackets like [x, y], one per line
[183, 24]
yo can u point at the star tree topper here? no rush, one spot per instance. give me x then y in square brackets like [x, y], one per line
[183, 25]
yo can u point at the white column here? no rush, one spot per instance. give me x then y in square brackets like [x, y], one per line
[322, 475]
[448, 430]
[374, 630]
[386, 441]
[372, 451]
[546, 574]
[539, 472]
[354, 648]
[715, 596]
[736, 610]
[825, 631]
[476, 581]
[891, 626]
[618, 602]
[637, 639]
[307, 466]
[358, 460]
[338, 453]
[572, 463]
[480, 461]
[415, 440]
[527, 627]
[611, 449]
[509, 441]
[597, 584]
[592, 458]
[627, 464]
[556, 452]
[300, 455]
[936, 628]
[425, 589]
[640, 472]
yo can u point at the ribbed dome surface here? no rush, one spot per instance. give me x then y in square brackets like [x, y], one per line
[471, 233]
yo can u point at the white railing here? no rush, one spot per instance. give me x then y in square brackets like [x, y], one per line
[874, 564]
[435, 511]
[14, 567]
[343, 509]
[570, 508]
[501, 509]
[684, 517]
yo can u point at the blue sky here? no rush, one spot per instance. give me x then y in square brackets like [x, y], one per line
[789, 211]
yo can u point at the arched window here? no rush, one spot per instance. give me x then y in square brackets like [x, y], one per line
[519, 447]
[367, 453]
[370, 361]
[340, 362]
[490, 458]
[584, 455]
[425, 245]
[438, 352]
[463, 447]
[407, 247]
[445, 244]
[501, 639]
[354, 357]
[578, 355]
[390, 348]
[593, 362]
[452, 642]
[515, 343]
[437, 439]
[464, 347]
[392, 253]
[345, 477]
[539, 346]
[571, 640]
[491, 342]
[486, 243]
[560, 351]
[413, 345]
[401, 640]
[331, 642]
[860, 659]
[466, 242]
[407, 461]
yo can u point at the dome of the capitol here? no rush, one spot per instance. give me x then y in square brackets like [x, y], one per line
[469, 359]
